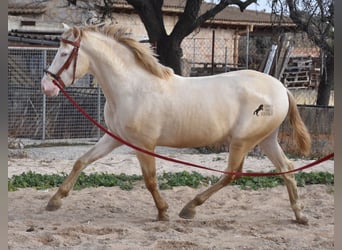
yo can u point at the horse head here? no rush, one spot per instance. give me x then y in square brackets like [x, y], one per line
[69, 64]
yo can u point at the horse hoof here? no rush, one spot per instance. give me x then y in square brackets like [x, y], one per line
[53, 205]
[303, 220]
[164, 217]
[187, 213]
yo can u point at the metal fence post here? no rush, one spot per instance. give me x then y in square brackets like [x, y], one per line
[213, 53]
[225, 59]
[98, 109]
[194, 54]
[44, 99]
[247, 47]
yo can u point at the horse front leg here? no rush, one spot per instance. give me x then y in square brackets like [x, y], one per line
[148, 167]
[105, 145]
[235, 163]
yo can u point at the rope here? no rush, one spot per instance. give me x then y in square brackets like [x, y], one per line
[77, 106]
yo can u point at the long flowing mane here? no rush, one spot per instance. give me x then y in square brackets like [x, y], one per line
[143, 54]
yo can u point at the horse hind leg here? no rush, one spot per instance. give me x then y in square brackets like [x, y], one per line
[275, 153]
[237, 154]
[105, 145]
[148, 167]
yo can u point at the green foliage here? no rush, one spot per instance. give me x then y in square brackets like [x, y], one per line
[44, 181]
[314, 178]
[169, 180]
[125, 182]
[31, 179]
[250, 182]
[166, 180]
[302, 178]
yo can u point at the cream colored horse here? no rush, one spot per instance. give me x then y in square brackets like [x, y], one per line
[148, 105]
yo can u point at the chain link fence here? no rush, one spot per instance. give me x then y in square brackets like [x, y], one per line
[203, 56]
[208, 56]
[216, 55]
[32, 115]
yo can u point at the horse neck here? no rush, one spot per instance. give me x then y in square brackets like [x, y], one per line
[112, 64]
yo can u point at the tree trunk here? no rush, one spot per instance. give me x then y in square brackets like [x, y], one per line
[326, 82]
[170, 53]
[168, 46]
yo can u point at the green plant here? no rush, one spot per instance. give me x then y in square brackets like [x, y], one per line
[40, 181]
[166, 180]
[193, 179]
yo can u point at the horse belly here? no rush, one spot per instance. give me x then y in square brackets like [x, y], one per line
[185, 140]
[195, 130]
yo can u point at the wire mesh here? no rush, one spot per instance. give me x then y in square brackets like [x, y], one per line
[31, 115]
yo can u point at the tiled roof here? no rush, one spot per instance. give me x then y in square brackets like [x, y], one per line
[234, 15]
[229, 15]
[34, 37]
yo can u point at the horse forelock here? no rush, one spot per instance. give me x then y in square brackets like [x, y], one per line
[144, 55]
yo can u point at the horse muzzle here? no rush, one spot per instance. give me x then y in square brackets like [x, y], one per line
[48, 87]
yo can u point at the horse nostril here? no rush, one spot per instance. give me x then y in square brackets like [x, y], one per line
[45, 86]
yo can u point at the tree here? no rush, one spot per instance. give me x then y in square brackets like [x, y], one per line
[150, 12]
[316, 18]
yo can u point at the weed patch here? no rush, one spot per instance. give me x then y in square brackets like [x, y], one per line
[166, 180]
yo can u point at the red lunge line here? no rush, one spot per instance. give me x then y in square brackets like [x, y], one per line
[180, 161]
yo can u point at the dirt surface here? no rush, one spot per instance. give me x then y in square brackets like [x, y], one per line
[111, 218]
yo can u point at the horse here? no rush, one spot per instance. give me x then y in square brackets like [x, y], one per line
[149, 105]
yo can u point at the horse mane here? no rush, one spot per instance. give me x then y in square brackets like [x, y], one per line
[143, 54]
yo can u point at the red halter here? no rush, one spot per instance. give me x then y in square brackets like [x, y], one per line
[73, 55]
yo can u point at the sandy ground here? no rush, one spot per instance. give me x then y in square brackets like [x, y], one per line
[111, 218]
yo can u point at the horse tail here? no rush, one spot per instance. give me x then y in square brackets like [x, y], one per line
[300, 131]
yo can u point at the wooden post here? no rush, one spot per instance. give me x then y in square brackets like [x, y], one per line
[236, 50]
[247, 46]
[270, 59]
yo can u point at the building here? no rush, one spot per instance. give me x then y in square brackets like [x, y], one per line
[32, 23]
[39, 23]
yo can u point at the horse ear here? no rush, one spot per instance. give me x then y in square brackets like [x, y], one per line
[76, 32]
[65, 26]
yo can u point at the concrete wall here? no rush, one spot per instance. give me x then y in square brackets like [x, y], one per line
[320, 123]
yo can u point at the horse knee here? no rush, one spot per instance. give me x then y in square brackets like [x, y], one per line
[150, 184]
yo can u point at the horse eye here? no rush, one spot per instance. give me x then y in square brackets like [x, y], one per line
[64, 54]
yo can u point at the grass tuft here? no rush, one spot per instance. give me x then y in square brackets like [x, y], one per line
[166, 180]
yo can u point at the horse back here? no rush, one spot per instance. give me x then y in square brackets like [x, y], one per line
[239, 104]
